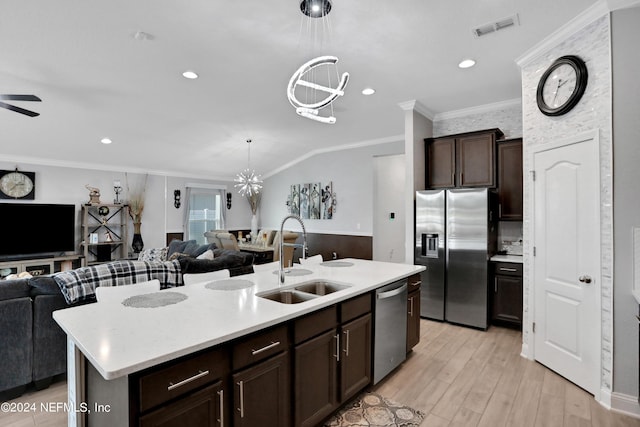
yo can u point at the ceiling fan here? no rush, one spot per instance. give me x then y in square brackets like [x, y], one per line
[19, 98]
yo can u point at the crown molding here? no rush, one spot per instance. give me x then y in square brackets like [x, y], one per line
[415, 105]
[478, 109]
[395, 138]
[591, 14]
[104, 167]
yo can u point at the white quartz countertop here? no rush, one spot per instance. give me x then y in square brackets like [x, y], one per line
[119, 340]
[507, 258]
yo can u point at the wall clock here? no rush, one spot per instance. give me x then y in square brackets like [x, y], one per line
[17, 184]
[562, 85]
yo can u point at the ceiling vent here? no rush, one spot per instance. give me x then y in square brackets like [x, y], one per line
[498, 25]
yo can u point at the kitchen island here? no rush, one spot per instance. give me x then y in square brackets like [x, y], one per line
[114, 345]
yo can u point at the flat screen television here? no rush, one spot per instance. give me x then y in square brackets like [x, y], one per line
[30, 230]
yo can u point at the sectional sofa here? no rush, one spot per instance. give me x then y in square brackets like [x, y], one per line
[32, 345]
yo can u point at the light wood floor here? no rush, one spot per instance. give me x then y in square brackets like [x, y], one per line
[464, 377]
[457, 376]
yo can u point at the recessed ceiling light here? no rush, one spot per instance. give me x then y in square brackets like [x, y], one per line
[190, 75]
[106, 141]
[368, 91]
[467, 63]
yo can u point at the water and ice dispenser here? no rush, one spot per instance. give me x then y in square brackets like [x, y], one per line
[430, 245]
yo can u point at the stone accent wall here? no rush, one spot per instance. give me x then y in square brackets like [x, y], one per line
[508, 119]
[593, 112]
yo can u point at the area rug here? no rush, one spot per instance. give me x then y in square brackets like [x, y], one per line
[373, 410]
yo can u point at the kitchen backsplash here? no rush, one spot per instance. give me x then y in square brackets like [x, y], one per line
[510, 237]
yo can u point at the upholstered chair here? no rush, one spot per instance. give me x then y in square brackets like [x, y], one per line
[289, 237]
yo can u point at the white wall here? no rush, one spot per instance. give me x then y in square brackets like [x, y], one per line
[626, 176]
[58, 184]
[389, 184]
[591, 43]
[350, 170]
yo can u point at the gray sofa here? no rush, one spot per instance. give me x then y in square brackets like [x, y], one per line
[32, 345]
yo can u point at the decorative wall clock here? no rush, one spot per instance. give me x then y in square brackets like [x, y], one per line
[16, 184]
[562, 85]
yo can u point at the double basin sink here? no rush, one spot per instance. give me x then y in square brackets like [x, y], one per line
[302, 292]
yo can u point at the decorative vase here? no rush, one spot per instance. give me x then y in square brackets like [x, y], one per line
[254, 226]
[137, 243]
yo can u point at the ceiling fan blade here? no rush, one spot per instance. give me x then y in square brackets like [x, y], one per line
[20, 98]
[19, 110]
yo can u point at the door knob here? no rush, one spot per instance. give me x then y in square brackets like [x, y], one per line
[585, 279]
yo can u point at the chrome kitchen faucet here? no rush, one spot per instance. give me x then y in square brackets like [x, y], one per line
[282, 244]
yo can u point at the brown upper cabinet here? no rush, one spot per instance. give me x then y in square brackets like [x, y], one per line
[462, 160]
[510, 179]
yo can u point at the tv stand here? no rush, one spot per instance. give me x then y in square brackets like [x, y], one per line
[40, 266]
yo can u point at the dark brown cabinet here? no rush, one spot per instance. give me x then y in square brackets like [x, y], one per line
[261, 394]
[413, 312]
[507, 294]
[191, 391]
[332, 360]
[510, 180]
[204, 408]
[261, 385]
[355, 360]
[462, 160]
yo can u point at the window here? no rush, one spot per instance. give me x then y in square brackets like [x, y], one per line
[205, 212]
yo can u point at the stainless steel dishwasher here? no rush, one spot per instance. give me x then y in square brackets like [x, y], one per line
[390, 329]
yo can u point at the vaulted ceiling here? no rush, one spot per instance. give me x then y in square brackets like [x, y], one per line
[98, 77]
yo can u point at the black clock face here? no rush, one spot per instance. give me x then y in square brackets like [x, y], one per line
[561, 86]
[17, 185]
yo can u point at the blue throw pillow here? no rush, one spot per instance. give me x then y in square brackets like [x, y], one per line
[178, 246]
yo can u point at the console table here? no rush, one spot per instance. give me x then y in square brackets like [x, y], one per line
[261, 254]
[41, 266]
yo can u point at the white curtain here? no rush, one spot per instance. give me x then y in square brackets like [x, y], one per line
[205, 209]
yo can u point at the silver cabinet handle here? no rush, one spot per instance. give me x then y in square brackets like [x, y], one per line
[415, 284]
[221, 419]
[337, 355]
[411, 307]
[513, 270]
[265, 348]
[241, 390]
[585, 279]
[392, 292]
[346, 346]
[199, 375]
[495, 285]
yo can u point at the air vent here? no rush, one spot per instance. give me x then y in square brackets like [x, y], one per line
[498, 25]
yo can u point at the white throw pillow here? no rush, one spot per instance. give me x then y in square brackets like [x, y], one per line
[208, 254]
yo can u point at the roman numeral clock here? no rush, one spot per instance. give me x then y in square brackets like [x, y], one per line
[16, 184]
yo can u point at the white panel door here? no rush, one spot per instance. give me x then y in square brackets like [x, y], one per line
[567, 261]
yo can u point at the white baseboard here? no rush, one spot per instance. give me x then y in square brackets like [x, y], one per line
[625, 404]
[525, 351]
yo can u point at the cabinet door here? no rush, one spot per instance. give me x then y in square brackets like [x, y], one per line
[413, 319]
[316, 379]
[510, 180]
[355, 357]
[441, 163]
[204, 408]
[507, 299]
[476, 160]
[261, 394]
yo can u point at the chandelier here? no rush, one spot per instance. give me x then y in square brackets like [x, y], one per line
[311, 90]
[248, 182]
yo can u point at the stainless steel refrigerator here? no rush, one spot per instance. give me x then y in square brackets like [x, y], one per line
[456, 233]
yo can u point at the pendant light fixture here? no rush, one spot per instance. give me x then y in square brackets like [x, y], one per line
[311, 88]
[248, 182]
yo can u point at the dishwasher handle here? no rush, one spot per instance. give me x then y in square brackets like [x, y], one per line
[392, 292]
